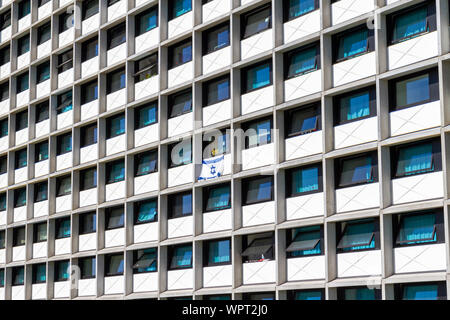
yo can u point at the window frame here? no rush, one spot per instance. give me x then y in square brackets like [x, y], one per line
[244, 76]
[82, 226]
[246, 15]
[172, 202]
[342, 228]
[114, 210]
[290, 54]
[170, 11]
[286, 8]
[338, 165]
[137, 116]
[172, 64]
[140, 16]
[246, 126]
[207, 33]
[110, 165]
[337, 105]
[289, 179]
[139, 156]
[370, 46]
[290, 133]
[37, 190]
[59, 181]
[171, 251]
[137, 205]
[206, 88]
[245, 190]
[207, 194]
[206, 256]
[35, 232]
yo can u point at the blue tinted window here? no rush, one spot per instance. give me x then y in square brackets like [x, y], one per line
[420, 292]
[412, 91]
[308, 295]
[352, 44]
[302, 61]
[415, 159]
[410, 24]
[356, 170]
[305, 180]
[355, 106]
[181, 257]
[181, 7]
[218, 198]
[359, 294]
[259, 76]
[300, 7]
[417, 229]
[306, 242]
[147, 211]
[358, 236]
[219, 252]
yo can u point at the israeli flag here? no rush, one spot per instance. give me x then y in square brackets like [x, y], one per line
[212, 168]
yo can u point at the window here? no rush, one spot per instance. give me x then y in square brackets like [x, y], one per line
[111, 2]
[145, 260]
[352, 43]
[42, 111]
[146, 163]
[256, 21]
[24, 8]
[62, 270]
[22, 82]
[146, 115]
[217, 198]
[179, 7]
[309, 295]
[65, 61]
[88, 179]
[2, 239]
[42, 2]
[115, 171]
[180, 153]
[64, 101]
[39, 273]
[296, 8]
[306, 241]
[89, 92]
[216, 143]
[2, 278]
[180, 205]
[5, 19]
[62, 227]
[3, 164]
[3, 127]
[116, 36]
[40, 191]
[217, 252]
[4, 91]
[419, 229]
[115, 126]
[87, 222]
[44, 33]
[355, 106]
[302, 61]
[258, 133]
[180, 103]
[43, 72]
[3, 201]
[63, 186]
[180, 257]
[89, 8]
[259, 296]
[40, 232]
[414, 90]
[65, 21]
[304, 180]
[146, 21]
[88, 135]
[257, 247]
[20, 159]
[216, 90]
[180, 53]
[63, 144]
[114, 218]
[114, 265]
[21, 120]
[359, 293]
[356, 170]
[18, 236]
[4, 55]
[303, 120]
[87, 267]
[145, 211]
[18, 276]
[216, 38]
[257, 77]
[146, 68]
[89, 49]
[358, 235]
[115, 81]
[422, 291]
[412, 22]
[257, 190]
[20, 197]
[417, 158]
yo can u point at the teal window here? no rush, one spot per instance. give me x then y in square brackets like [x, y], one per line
[114, 265]
[2, 278]
[146, 68]
[305, 242]
[2, 239]
[146, 211]
[360, 293]
[179, 7]
[18, 276]
[258, 190]
[115, 126]
[22, 82]
[412, 91]
[218, 252]
[20, 197]
[146, 116]
[42, 111]
[216, 91]
[62, 270]
[43, 72]
[87, 267]
[21, 159]
[18, 236]
[258, 133]
[64, 102]
[115, 171]
[180, 53]
[3, 201]
[354, 106]
[421, 292]
[305, 180]
[180, 153]
[218, 198]
[23, 45]
[297, 8]
[217, 297]
[24, 8]
[303, 61]
[146, 163]
[40, 232]
[417, 228]
[180, 205]
[63, 186]
[257, 77]
[181, 257]
[415, 159]
[257, 21]
[215, 144]
[40, 191]
[357, 235]
[180, 104]
[4, 128]
[39, 273]
[62, 228]
[115, 218]
[410, 24]
[357, 170]
[64, 144]
[308, 295]
[352, 44]
[146, 21]
[145, 261]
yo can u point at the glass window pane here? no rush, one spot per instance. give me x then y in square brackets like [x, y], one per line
[87, 223]
[115, 265]
[303, 121]
[300, 7]
[180, 154]
[258, 190]
[412, 91]
[417, 229]
[180, 7]
[62, 270]
[217, 91]
[145, 261]
[146, 116]
[353, 44]
[358, 236]
[219, 198]
[420, 292]
[180, 205]
[356, 170]
[306, 241]
[62, 228]
[259, 76]
[354, 106]
[302, 61]
[257, 22]
[87, 267]
[115, 218]
[359, 294]
[180, 54]
[415, 159]
[410, 24]
[308, 295]
[146, 163]
[146, 21]
[39, 273]
[115, 171]
[40, 232]
[305, 180]
[219, 252]
[146, 211]
[181, 257]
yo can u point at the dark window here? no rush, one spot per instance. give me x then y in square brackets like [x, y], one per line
[216, 90]
[257, 76]
[115, 171]
[358, 235]
[18, 276]
[215, 144]
[180, 205]
[3, 127]
[21, 120]
[180, 153]
[217, 252]
[317, 294]
[146, 115]
[418, 228]
[43, 72]
[88, 135]
[217, 198]
[421, 291]
[3, 201]
[89, 8]
[40, 191]
[41, 151]
[354, 106]
[62, 270]
[116, 80]
[2, 239]
[20, 159]
[302, 61]
[180, 257]
[65, 21]
[303, 120]
[146, 21]
[146, 163]
[44, 33]
[145, 211]
[5, 19]
[257, 247]
[4, 55]
[18, 236]
[146, 68]
[88, 179]
[89, 92]
[65, 61]
[42, 111]
[62, 227]
[2, 278]
[89, 49]
[296, 8]
[22, 82]
[304, 180]
[64, 101]
[180, 103]
[352, 43]
[115, 126]
[257, 190]
[114, 218]
[116, 36]
[111, 2]
[3, 164]
[4, 91]
[259, 296]
[179, 7]
[180, 53]
[87, 222]
[40, 232]
[305, 241]
[258, 133]
[87, 267]
[63, 186]
[256, 21]
[63, 144]
[145, 260]
[24, 8]
[23, 45]
[358, 293]
[216, 38]
[356, 170]
[114, 265]
[42, 2]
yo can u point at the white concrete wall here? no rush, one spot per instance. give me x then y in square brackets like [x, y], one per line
[40, 250]
[217, 276]
[180, 74]
[420, 258]
[179, 227]
[306, 268]
[259, 213]
[114, 285]
[115, 237]
[217, 220]
[39, 291]
[180, 24]
[88, 197]
[87, 287]
[87, 241]
[214, 9]
[180, 279]
[40, 209]
[356, 132]
[418, 187]
[216, 60]
[416, 118]
[358, 197]
[259, 272]
[256, 44]
[145, 232]
[116, 99]
[146, 87]
[181, 124]
[303, 145]
[145, 282]
[146, 183]
[257, 100]
[63, 203]
[359, 263]
[302, 26]
[258, 156]
[116, 10]
[90, 24]
[146, 135]
[306, 206]
[216, 113]
[347, 9]
[303, 85]
[146, 40]
[354, 69]
[115, 191]
[63, 246]
[180, 175]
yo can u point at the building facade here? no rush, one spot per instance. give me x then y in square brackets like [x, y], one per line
[331, 120]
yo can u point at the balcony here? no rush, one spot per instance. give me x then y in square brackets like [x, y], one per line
[5, 70]
[180, 279]
[116, 144]
[89, 110]
[114, 285]
[214, 9]
[180, 74]
[146, 135]
[344, 10]
[145, 232]
[115, 237]
[87, 241]
[40, 209]
[301, 26]
[147, 87]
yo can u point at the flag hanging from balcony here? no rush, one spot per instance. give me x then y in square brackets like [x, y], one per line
[212, 168]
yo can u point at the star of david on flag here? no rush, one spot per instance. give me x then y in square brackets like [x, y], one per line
[212, 168]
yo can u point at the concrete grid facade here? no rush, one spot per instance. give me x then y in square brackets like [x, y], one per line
[385, 267]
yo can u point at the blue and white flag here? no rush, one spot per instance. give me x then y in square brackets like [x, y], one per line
[212, 168]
